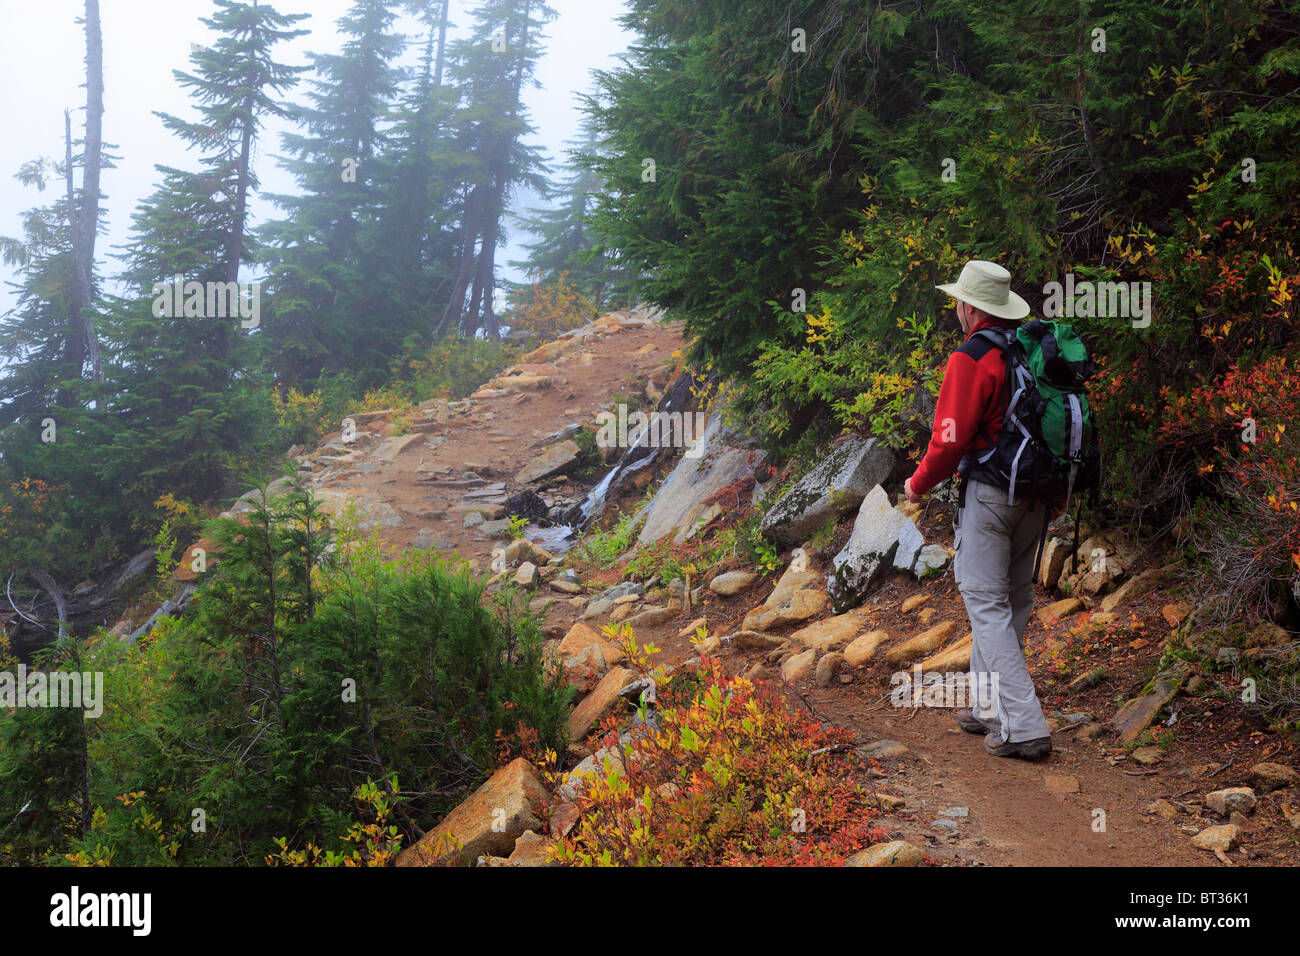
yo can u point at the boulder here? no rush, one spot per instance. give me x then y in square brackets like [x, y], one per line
[580, 637]
[715, 462]
[1134, 588]
[602, 697]
[388, 449]
[604, 761]
[489, 822]
[792, 580]
[835, 486]
[559, 457]
[372, 512]
[584, 670]
[910, 545]
[932, 559]
[869, 553]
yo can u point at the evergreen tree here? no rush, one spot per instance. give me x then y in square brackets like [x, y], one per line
[188, 404]
[491, 66]
[567, 242]
[322, 313]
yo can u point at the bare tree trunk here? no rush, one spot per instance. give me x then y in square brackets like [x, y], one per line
[93, 161]
[465, 266]
[74, 344]
[442, 43]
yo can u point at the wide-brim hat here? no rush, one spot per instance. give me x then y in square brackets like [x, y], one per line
[987, 286]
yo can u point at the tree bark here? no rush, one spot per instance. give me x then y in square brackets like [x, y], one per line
[74, 344]
[442, 43]
[93, 162]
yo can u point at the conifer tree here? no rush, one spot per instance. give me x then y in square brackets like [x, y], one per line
[491, 67]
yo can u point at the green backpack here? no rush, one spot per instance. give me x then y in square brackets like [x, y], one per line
[1048, 447]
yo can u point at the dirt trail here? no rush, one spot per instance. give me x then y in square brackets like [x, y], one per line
[494, 435]
[1017, 813]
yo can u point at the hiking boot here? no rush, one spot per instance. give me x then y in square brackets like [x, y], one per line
[968, 722]
[1028, 749]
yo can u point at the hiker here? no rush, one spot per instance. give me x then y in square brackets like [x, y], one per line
[995, 541]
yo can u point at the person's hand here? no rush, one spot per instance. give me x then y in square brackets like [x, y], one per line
[912, 496]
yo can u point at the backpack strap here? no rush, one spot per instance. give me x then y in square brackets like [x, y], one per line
[1018, 382]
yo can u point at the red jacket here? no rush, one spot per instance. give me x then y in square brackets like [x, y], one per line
[970, 406]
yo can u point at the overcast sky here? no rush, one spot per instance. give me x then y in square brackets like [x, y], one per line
[42, 51]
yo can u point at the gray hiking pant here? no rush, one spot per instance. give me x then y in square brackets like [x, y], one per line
[993, 567]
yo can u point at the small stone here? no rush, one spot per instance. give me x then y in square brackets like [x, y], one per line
[1148, 756]
[690, 629]
[887, 801]
[564, 818]
[1174, 614]
[527, 575]
[921, 645]
[915, 601]
[1089, 678]
[945, 824]
[797, 667]
[957, 813]
[651, 617]
[1224, 802]
[531, 849]
[732, 582]
[863, 648]
[1059, 609]
[1225, 837]
[563, 586]
[1268, 777]
[882, 749]
[1162, 808]
[897, 853]
[755, 641]
[1090, 732]
[523, 550]
[828, 668]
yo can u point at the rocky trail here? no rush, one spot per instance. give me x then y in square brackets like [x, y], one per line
[1140, 755]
